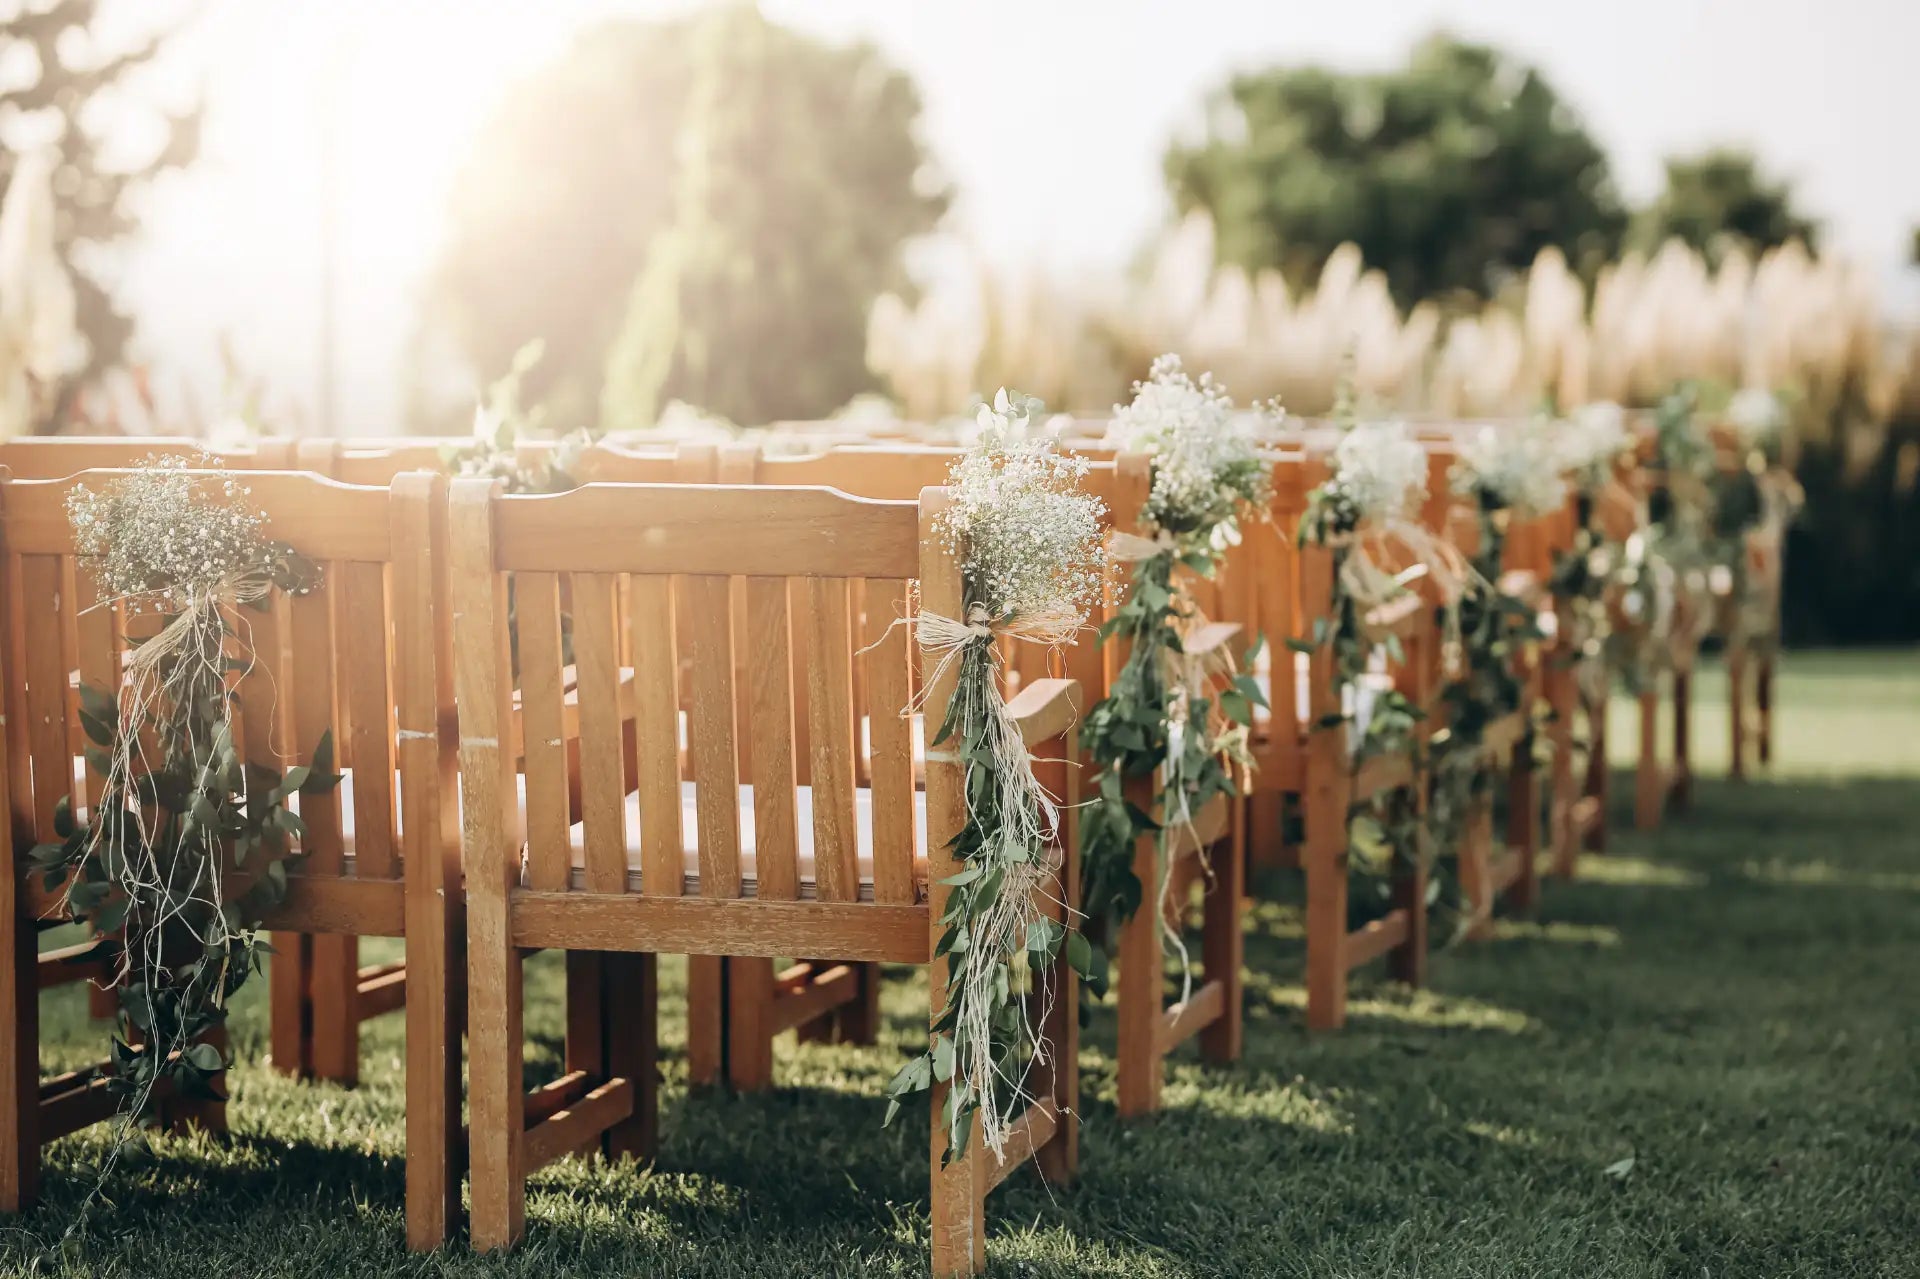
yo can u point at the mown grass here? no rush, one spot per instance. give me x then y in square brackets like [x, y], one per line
[1731, 1005]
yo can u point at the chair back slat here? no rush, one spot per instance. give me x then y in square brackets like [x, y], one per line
[316, 712]
[712, 757]
[656, 698]
[770, 723]
[890, 746]
[825, 614]
[536, 603]
[603, 802]
[42, 583]
[101, 645]
[365, 651]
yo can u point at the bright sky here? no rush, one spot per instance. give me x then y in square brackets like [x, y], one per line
[1049, 115]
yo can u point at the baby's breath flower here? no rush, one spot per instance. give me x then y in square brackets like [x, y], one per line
[1518, 468]
[1031, 538]
[1380, 469]
[165, 535]
[1757, 416]
[1591, 438]
[1205, 460]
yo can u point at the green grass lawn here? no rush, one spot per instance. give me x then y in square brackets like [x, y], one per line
[1702, 1059]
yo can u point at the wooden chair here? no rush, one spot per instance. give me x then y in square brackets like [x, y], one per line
[374, 638]
[55, 457]
[1279, 589]
[680, 875]
[1487, 873]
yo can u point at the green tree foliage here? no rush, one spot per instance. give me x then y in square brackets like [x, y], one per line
[1448, 172]
[72, 72]
[736, 244]
[1718, 199]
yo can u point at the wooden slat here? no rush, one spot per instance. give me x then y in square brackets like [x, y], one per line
[82, 1106]
[709, 530]
[770, 721]
[603, 797]
[818, 993]
[1034, 1129]
[382, 991]
[567, 1130]
[335, 905]
[536, 601]
[99, 658]
[1375, 938]
[710, 724]
[46, 674]
[365, 636]
[836, 846]
[890, 741]
[657, 734]
[336, 521]
[697, 925]
[1183, 1021]
[314, 714]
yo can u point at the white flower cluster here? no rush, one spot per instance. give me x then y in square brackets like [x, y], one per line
[1757, 416]
[1031, 538]
[1381, 470]
[165, 534]
[1206, 463]
[1519, 468]
[1591, 438]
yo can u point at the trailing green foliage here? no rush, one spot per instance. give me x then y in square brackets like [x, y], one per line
[187, 852]
[1130, 734]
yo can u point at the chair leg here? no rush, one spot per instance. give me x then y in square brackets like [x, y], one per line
[436, 1002]
[706, 1019]
[1763, 700]
[1737, 711]
[496, 1097]
[1476, 871]
[1324, 861]
[1141, 989]
[749, 1035]
[1057, 1005]
[335, 992]
[1222, 945]
[289, 1014]
[1523, 825]
[1564, 698]
[858, 1020]
[1680, 788]
[19, 1057]
[1649, 799]
[1599, 774]
[630, 989]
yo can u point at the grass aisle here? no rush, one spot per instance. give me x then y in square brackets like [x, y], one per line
[1702, 1060]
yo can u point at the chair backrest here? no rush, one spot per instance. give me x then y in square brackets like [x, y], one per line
[53, 457]
[721, 572]
[363, 656]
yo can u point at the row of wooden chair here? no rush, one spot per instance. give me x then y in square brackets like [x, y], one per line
[702, 575]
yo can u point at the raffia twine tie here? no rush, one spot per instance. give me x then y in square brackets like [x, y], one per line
[1030, 822]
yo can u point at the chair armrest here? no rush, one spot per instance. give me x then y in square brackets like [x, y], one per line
[1045, 709]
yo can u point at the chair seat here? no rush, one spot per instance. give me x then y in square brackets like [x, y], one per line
[749, 850]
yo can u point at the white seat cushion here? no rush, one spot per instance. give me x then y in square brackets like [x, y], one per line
[804, 855]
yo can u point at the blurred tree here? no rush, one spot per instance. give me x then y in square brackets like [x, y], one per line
[1449, 173]
[804, 177]
[1720, 198]
[77, 91]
